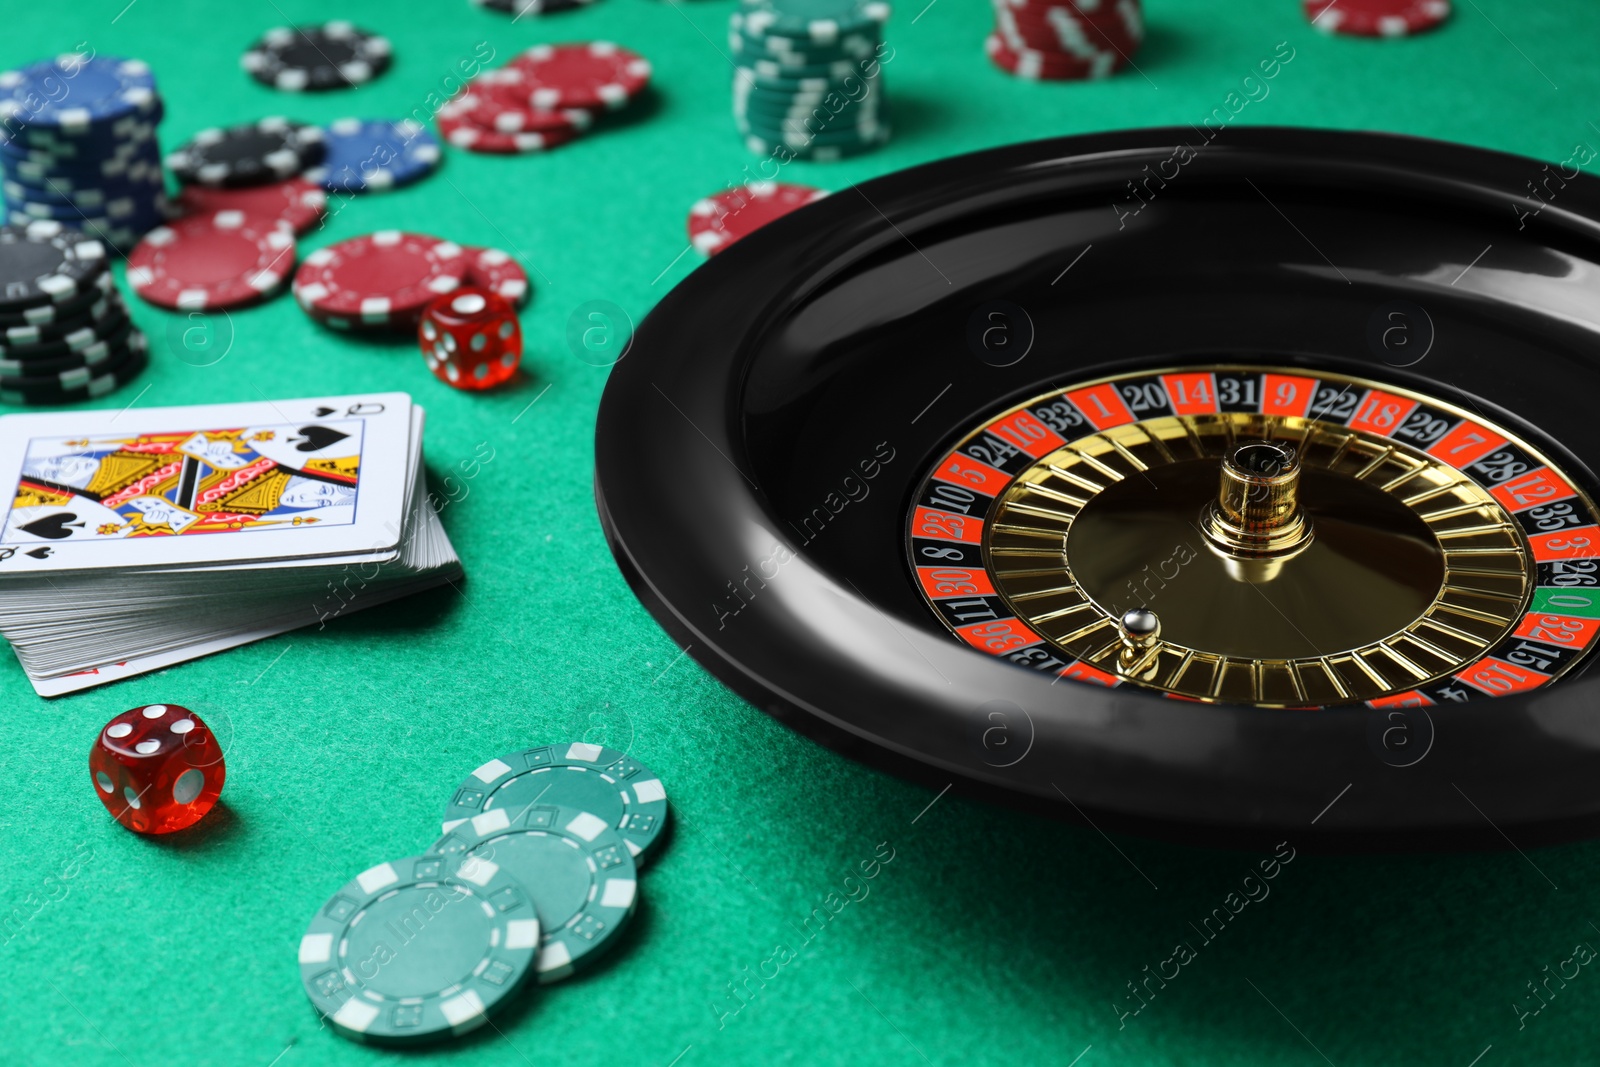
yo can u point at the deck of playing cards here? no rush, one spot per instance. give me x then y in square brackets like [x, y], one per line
[141, 538]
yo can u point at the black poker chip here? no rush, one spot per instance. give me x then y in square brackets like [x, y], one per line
[335, 55]
[532, 7]
[67, 314]
[44, 262]
[93, 346]
[100, 311]
[87, 383]
[254, 153]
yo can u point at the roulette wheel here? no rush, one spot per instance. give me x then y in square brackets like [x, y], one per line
[1226, 491]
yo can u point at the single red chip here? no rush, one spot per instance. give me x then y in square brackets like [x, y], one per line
[1376, 18]
[300, 203]
[460, 130]
[498, 272]
[382, 279]
[593, 76]
[227, 259]
[718, 221]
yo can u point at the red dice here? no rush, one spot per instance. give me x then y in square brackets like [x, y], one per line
[471, 338]
[157, 768]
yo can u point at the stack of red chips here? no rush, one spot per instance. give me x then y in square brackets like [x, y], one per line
[1061, 40]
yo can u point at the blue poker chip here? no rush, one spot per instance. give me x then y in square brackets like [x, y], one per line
[98, 138]
[75, 94]
[613, 785]
[138, 163]
[122, 213]
[79, 154]
[143, 185]
[371, 155]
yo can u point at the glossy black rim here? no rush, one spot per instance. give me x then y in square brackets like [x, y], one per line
[789, 357]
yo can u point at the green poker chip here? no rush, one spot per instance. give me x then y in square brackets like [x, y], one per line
[420, 949]
[578, 871]
[819, 115]
[796, 58]
[813, 152]
[794, 50]
[799, 138]
[818, 21]
[602, 781]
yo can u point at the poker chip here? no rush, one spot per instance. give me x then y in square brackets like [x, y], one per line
[792, 52]
[227, 259]
[71, 152]
[1062, 40]
[96, 337]
[498, 272]
[70, 370]
[794, 61]
[252, 154]
[520, 8]
[335, 55]
[43, 262]
[1035, 65]
[78, 145]
[1376, 18]
[57, 315]
[367, 155]
[104, 89]
[120, 209]
[816, 21]
[595, 75]
[719, 220]
[469, 937]
[122, 367]
[44, 141]
[19, 335]
[141, 164]
[462, 132]
[502, 100]
[602, 781]
[544, 98]
[300, 203]
[577, 869]
[763, 146]
[93, 198]
[383, 279]
[798, 136]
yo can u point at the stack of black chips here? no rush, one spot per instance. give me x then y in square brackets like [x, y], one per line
[65, 333]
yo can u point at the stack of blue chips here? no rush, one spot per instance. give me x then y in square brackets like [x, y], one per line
[78, 146]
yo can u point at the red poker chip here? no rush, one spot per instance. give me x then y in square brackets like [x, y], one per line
[498, 272]
[1124, 13]
[1376, 18]
[300, 203]
[1122, 21]
[597, 75]
[718, 221]
[382, 279]
[221, 260]
[1049, 66]
[502, 100]
[1066, 40]
[458, 129]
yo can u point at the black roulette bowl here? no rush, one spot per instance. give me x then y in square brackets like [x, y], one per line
[760, 448]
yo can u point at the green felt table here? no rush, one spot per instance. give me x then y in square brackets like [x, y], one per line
[990, 936]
